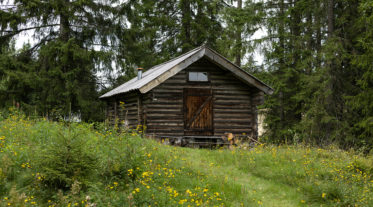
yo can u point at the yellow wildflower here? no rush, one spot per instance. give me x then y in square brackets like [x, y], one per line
[181, 202]
[323, 195]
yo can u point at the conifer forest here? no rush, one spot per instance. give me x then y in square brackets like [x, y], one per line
[86, 85]
[57, 57]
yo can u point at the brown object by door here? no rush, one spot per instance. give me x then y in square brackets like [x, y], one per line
[198, 112]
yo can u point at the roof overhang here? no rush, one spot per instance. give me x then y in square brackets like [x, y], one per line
[159, 74]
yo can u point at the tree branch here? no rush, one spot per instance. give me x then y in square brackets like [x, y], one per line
[29, 28]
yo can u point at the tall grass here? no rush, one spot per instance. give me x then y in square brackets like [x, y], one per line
[45, 163]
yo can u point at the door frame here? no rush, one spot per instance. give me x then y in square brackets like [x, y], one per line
[185, 94]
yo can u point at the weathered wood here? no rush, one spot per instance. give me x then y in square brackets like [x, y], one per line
[166, 114]
[155, 124]
[235, 131]
[235, 92]
[164, 110]
[161, 109]
[240, 74]
[172, 71]
[162, 106]
[198, 111]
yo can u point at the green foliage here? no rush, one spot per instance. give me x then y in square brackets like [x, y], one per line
[362, 101]
[55, 76]
[317, 57]
[322, 94]
[46, 163]
[65, 161]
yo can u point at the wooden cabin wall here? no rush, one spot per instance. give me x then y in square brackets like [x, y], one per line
[234, 103]
[163, 107]
[127, 114]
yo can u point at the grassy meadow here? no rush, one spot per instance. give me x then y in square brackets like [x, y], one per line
[45, 163]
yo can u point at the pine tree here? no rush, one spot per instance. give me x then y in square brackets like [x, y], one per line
[362, 101]
[73, 42]
[241, 19]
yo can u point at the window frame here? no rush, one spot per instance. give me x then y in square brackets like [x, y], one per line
[192, 81]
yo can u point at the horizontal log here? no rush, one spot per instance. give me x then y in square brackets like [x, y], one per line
[155, 121]
[234, 121]
[233, 111]
[235, 131]
[127, 99]
[232, 101]
[218, 116]
[128, 115]
[159, 109]
[152, 115]
[167, 104]
[164, 117]
[232, 97]
[168, 95]
[231, 92]
[229, 83]
[160, 124]
[162, 106]
[161, 89]
[164, 113]
[134, 116]
[168, 99]
[126, 111]
[232, 104]
[228, 87]
[175, 81]
[128, 106]
[164, 131]
[234, 134]
[223, 77]
[182, 86]
[207, 67]
[174, 134]
[235, 127]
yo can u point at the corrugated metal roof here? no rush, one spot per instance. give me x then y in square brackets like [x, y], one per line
[155, 73]
[151, 74]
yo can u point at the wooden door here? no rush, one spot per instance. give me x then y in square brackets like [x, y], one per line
[198, 112]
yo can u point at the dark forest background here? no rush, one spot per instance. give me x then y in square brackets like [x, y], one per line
[318, 56]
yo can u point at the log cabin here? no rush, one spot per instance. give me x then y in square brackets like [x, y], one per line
[199, 95]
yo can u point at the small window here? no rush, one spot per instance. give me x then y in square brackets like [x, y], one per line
[198, 76]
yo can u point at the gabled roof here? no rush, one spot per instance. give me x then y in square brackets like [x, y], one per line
[160, 73]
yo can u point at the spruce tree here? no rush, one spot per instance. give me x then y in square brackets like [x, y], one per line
[73, 42]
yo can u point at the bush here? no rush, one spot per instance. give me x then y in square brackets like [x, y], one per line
[65, 160]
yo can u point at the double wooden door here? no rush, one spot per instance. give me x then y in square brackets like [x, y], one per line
[198, 112]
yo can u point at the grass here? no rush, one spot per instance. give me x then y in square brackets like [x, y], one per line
[46, 163]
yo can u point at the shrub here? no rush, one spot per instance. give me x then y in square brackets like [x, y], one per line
[65, 160]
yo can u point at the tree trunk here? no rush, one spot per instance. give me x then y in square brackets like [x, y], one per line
[330, 18]
[238, 37]
[186, 19]
[318, 33]
[281, 31]
[64, 21]
[199, 20]
[295, 33]
[331, 102]
[310, 41]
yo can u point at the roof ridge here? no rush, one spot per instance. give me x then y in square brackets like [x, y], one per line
[184, 60]
[182, 55]
[239, 67]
